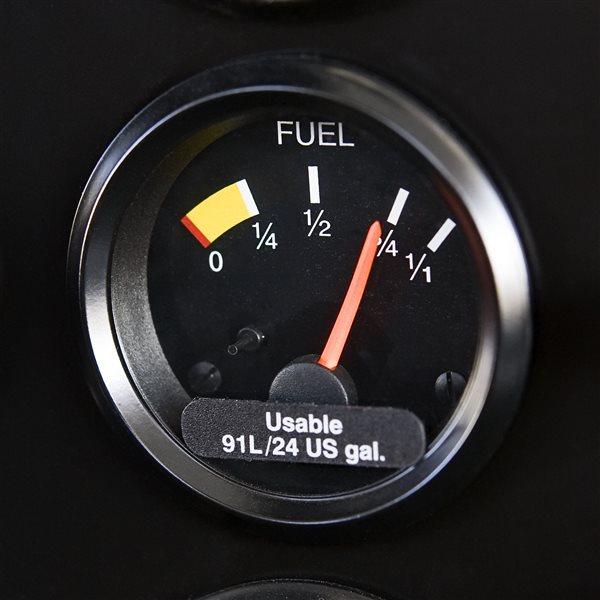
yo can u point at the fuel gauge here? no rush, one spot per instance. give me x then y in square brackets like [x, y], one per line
[301, 292]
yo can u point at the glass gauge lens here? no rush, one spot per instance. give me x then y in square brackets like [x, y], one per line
[301, 293]
[282, 266]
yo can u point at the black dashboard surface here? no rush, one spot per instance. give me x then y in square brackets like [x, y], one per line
[85, 515]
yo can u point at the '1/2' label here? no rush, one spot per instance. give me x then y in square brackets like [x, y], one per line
[358, 436]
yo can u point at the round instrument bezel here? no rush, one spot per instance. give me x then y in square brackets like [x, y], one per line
[492, 393]
[289, 589]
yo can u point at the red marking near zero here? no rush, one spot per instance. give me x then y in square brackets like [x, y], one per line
[187, 223]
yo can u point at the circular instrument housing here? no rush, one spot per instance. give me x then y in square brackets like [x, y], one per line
[290, 590]
[135, 368]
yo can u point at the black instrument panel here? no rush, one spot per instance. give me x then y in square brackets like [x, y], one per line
[516, 80]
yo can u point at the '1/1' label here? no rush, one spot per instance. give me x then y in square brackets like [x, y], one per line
[358, 436]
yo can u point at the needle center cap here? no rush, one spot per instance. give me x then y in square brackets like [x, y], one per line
[305, 381]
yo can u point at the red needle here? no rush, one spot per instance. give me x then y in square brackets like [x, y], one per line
[341, 328]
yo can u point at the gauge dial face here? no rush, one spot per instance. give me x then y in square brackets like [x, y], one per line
[301, 293]
[300, 192]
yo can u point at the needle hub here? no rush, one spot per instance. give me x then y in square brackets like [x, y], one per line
[304, 381]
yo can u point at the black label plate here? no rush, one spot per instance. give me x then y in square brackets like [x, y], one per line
[353, 436]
